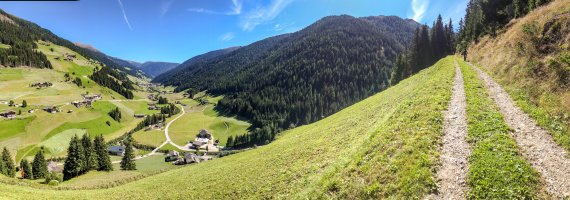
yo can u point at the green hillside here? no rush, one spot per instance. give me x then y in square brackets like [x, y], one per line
[373, 137]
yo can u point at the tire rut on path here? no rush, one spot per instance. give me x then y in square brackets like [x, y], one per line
[454, 164]
[537, 145]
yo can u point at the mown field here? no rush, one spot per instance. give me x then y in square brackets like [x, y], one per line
[369, 141]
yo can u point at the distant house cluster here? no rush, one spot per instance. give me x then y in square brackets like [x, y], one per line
[41, 84]
[69, 57]
[152, 106]
[51, 109]
[10, 114]
[188, 158]
[87, 100]
[202, 140]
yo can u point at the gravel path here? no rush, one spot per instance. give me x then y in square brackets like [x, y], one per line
[537, 145]
[454, 164]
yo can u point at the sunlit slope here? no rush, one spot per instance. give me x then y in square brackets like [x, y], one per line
[380, 140]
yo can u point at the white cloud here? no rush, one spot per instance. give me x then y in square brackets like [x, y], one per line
[262, 15]
[125, 14]
[165, 7]
[227, 37]
[419, 8]
[236, 9]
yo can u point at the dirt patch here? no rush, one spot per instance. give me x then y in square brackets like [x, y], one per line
[537, 145]
[454, 164]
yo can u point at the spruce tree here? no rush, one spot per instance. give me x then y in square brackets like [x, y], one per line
[128, 160]
[39, 165]
[24, 103]
[89, 153]
[104, 161]
[230, 141]
[9, 163]
[27, 172]
[75, 159]
[2, 167]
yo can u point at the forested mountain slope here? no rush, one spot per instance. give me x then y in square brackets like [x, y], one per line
[298, 78]
[406, 119]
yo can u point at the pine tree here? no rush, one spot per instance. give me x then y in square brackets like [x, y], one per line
[104, 161]
[10, 168]
[89, 153]
[27, 172]
[230, 141]
[128, 160]
[39, 165]
[24, 103]
[75, 159]
[2, 167]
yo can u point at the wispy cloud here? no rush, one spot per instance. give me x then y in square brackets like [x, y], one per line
[165, 7]
[125, 14]
[236, 9]
[227, 37]
[419, 8]
[279, 27]
[263, 15]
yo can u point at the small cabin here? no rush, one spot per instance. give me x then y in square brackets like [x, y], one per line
[116, 150]
[139, 115]
[9, 114]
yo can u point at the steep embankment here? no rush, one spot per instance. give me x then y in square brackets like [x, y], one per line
[531, 59]
[392, 136]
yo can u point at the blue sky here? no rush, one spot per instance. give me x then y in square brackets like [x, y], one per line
[176, 30]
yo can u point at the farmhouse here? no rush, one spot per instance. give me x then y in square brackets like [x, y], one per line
[92, 97]
[204, 134]
[171, 156]
[31, 110]
[9, 114]
[116, 150]
[51, 109]
[41, 85]
[189, 158]
[140, 115]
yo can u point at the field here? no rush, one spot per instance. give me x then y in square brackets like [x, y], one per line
[302, 162]
[205, 117]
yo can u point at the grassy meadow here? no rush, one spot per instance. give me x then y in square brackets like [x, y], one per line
[302, 161]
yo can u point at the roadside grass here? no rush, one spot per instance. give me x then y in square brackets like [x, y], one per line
[169, 147]
[497, 170]
[4, 46]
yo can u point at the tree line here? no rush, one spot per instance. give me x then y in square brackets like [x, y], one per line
[429, 45]
[110, 78]
[170, 110]
[484, 17]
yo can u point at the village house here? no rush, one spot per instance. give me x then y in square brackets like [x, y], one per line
[139, 115]
[116, 150]
[9, 114]
[51, 109]
[172, 155]
[188, 158]
[31, 110]
[204, 134]
[41, 85]
[87, 100]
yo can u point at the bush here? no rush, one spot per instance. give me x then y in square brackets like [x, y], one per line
[53, 176]
[53, 183]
